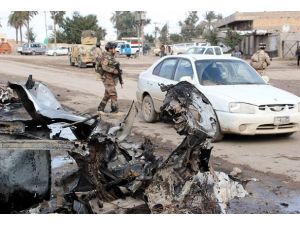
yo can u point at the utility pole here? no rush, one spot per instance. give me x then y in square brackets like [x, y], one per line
[46, 25]
[155, 30]
[140, 18]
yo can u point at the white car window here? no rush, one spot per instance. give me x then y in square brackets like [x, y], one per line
[218, 51]
[190, 51]
[184, 68]
[209, 51]
[167, 68]
[200, 50]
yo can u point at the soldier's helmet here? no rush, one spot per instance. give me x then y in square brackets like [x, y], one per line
[110, 45]
[262, 45]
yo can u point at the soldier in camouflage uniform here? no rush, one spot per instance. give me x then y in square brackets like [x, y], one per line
[109, 77]
[97, 52]
[260, 60]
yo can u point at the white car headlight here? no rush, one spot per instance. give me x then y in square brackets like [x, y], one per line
[238, 107]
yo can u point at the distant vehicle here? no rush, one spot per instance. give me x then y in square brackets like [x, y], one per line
[5, 48]
[19, 49]
[205, 50]
[182, 47]
[130, 49]
[224, 47]
[33, 49]
[119, 43]
[83, 54]
[58, 51]
[243, 102]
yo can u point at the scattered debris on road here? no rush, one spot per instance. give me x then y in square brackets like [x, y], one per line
[113, 175]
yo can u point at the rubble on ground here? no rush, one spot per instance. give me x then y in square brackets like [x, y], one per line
[113, 175]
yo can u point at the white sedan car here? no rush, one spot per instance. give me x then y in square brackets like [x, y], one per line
[58, 51]
[244, 103]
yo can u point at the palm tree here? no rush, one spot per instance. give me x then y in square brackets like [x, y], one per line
[58, 17]
[17, 20]
[28, 15]
[13, 21]
[209, 16]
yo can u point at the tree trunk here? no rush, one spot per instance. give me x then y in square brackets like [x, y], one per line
[21, 35]
[28, 38]
[17, 38]
[54, 31]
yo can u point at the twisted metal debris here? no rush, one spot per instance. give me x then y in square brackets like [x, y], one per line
[116, 176]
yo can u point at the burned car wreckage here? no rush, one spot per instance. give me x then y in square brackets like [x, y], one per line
[113, 175]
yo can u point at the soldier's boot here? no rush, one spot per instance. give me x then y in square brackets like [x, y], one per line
[101, 106]
[114, 108]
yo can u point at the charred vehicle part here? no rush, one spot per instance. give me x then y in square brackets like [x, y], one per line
[116, 176]
[24, 143]
[186, 183]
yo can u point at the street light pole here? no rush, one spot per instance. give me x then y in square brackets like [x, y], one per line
[46, 24]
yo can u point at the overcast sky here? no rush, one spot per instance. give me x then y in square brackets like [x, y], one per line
[160, 12]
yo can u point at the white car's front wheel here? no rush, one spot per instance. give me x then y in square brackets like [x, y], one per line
[219, 135]
[148, 110]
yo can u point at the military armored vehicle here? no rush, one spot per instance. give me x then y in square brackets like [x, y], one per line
[83, 54]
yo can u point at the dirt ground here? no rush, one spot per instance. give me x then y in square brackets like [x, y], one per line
[270, 164]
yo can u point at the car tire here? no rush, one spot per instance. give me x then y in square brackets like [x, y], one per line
[81, 64]
[71, 63]
[33, 53]
[219, 135]
[54, 54]
[148, 110]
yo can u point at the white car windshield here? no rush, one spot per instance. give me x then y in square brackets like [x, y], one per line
[226, 72]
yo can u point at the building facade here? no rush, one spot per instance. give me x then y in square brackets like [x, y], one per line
[279, 30]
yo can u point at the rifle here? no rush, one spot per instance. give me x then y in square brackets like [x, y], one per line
[117, 66]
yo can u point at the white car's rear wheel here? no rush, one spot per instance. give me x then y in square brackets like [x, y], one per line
[148, 110]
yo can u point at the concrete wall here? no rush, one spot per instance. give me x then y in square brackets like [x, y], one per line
[285, 24]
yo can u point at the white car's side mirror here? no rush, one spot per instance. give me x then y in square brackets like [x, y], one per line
[265, 78]
[186, 78]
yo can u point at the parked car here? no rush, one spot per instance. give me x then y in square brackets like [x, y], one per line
[19, 49]
[224, 47]
[182, 47]
[33, 49]
[243, 102]
[130, 49]
[58, 51]
[205, 50]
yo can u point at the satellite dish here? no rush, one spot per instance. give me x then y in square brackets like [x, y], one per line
[285, 28]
